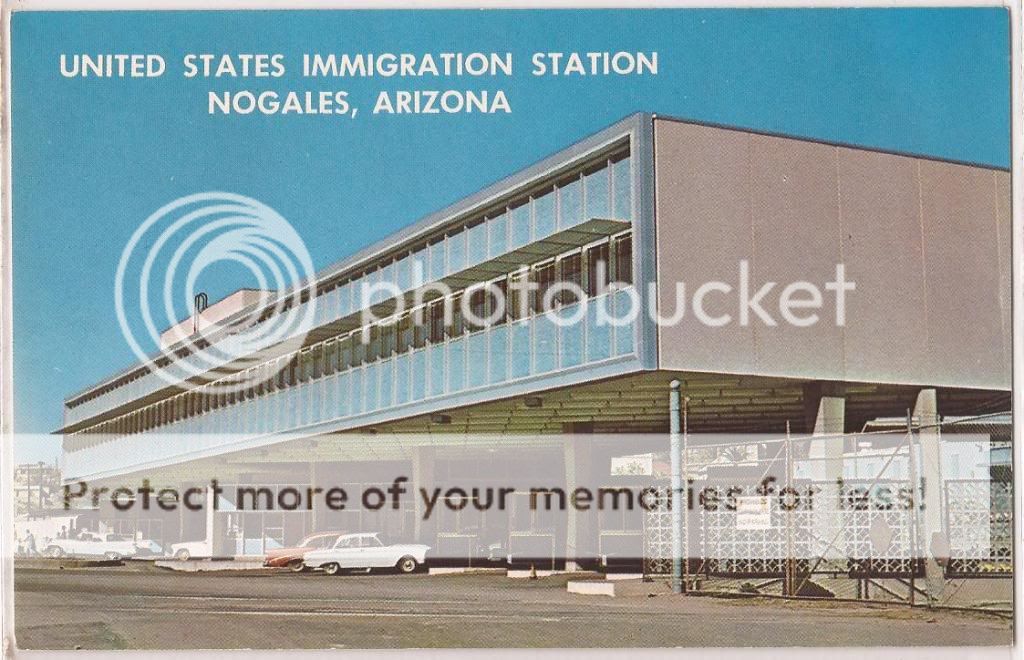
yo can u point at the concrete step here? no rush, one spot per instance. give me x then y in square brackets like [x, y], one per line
[617, 587]
[203, 565]
[64, 562]
[467, 570]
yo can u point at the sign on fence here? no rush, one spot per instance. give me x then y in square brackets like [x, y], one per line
[753, 512]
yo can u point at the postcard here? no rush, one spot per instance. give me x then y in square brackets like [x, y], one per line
[543, 327]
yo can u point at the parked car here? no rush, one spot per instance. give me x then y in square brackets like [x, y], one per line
[292, 557]
[148, 548]
[189, 549]
[89, 544]
[366, 551]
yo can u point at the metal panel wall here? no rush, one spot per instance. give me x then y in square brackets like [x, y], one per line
[925, 241]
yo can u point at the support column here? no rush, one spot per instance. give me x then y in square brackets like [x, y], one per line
[933, 540]
[578, 465]
[826, 455]
[829, 421]
[424, 531]
[312, 512]
[211, 524]
[677, 499]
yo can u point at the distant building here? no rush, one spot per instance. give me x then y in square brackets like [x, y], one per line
[37, 488]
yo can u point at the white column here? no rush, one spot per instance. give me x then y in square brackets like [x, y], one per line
[826, 456]
[578, 536]
[933, 539]
[423, 477]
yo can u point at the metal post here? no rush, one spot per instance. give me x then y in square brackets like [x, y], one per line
[790, 571]
[676, 499]
[912, 474]
[684, 482]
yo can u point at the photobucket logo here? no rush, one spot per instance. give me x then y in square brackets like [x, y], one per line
[714, 303]
[179, 243]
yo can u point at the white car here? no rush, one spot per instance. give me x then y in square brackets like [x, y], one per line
[366, 551]
[190, 549]
[88, 544]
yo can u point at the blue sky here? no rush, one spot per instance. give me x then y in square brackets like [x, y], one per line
[93, 158]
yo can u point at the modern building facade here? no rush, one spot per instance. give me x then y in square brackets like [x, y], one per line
[647, 203]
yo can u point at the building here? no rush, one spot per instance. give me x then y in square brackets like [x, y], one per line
[658, 201]
[37, 488]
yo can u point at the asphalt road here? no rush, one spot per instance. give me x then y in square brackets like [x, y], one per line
[143, 607]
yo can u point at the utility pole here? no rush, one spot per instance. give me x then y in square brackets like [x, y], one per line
[676, 499]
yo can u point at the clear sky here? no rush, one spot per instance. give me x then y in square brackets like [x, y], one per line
[93, 158]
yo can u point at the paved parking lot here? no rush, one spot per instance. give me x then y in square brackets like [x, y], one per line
[140, 606]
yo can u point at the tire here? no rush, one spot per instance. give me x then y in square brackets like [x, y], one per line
[182, 555]
[111, 556]
[55, 551]
[332, 569]
[296, 566]
[407, 564]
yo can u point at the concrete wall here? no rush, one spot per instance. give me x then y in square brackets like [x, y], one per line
[926, 242]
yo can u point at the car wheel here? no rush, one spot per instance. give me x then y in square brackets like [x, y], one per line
[111, 556]
[296, 566]
[406, 564]
[181, 555]
[55, 551]
[332, 569]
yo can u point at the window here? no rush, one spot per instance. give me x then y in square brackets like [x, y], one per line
[305, 366]
[419, 273]
[498, 294]
[477, 238]
[387, 340]
[405, 333]
[437, 260]
[456, 251]
[345, 353]
[330, 357]
[570, 203]
[498, 230]
[624, 259]
[518, 304]
[520, 225]
[318, 361]
[622, 189]
[572, 273]
[597, 193]
[436, 333]
[544, 276]
[403, 269]
[358, 348]
[598, 272]
[419, 336]
[374, 345]
[544, 215]
[477, 308]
